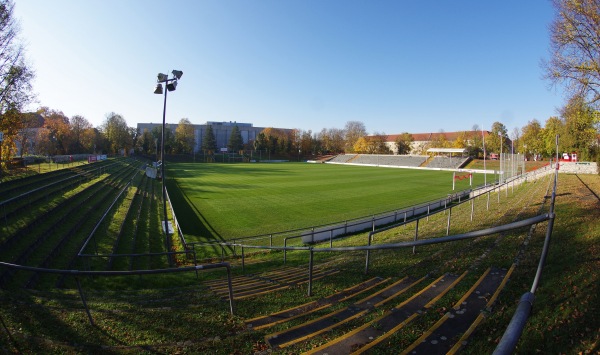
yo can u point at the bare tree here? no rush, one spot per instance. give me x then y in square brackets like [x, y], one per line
[575, 48]
[15, 80]
[15, 74]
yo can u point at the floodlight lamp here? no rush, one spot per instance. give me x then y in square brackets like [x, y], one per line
[158, 89]
[172, 85]
[177, 74]
[162, 77]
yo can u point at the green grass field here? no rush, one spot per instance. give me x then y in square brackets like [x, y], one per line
[225, 201]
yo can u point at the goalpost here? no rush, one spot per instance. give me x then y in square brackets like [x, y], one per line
[461, 177]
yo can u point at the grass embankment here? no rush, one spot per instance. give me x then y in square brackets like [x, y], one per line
[36, 169]
[175, 314]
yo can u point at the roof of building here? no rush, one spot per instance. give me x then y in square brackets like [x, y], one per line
[446, 150]
[450, 136]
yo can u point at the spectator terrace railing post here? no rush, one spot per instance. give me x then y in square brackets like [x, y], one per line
[87, 310]
[231, 307]
[416, 235]
[243, 259]
[368, 253]
[448, 224]
[331, 238]
[310, 271]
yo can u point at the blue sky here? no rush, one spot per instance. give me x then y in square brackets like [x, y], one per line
[416, 66]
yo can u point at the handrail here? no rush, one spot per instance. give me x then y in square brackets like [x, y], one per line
[452, 238]
[421, 242]
[515, 328]
[179, 231]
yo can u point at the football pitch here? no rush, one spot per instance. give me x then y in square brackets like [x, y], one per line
[226, 201]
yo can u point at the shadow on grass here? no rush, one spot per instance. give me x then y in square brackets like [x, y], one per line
[191, 219]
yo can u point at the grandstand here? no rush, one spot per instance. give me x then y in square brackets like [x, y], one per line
[377, 159]
[342, 158]
[447, 162]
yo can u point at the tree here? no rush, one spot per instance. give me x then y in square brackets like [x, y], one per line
[169, 139]
[277, 140]
[332, 140]
[15, 75]
[516, 140]
[58, 130]
[404, 143]
[461, 140]
[378, 142]
[552, 127]
[475, 142]
[494, 140]
[580, 132]
[362, 145]
[209, 142]
[10, 124]
[146, 143]
[353, 131]
[374, 144]
[184, 136]
[79, 139]
[307, 143]
[117, 133]
[15, 80]
[575, 48]
[236, 142]
[440, 141]
[532, 137]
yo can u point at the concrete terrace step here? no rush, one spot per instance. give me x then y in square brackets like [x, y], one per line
[308, 308]
[255, 285]
[451, 332]
[315, 327]
[392, 320]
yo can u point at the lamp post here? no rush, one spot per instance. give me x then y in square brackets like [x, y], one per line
[501, 144]
[171, 85]
[484, 167]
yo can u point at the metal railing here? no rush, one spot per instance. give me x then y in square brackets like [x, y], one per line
[177, 226]
[389, 220]
[513, 332]
[341, 229]
[451, 238]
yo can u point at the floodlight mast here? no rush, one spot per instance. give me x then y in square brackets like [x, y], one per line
[170, 85]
